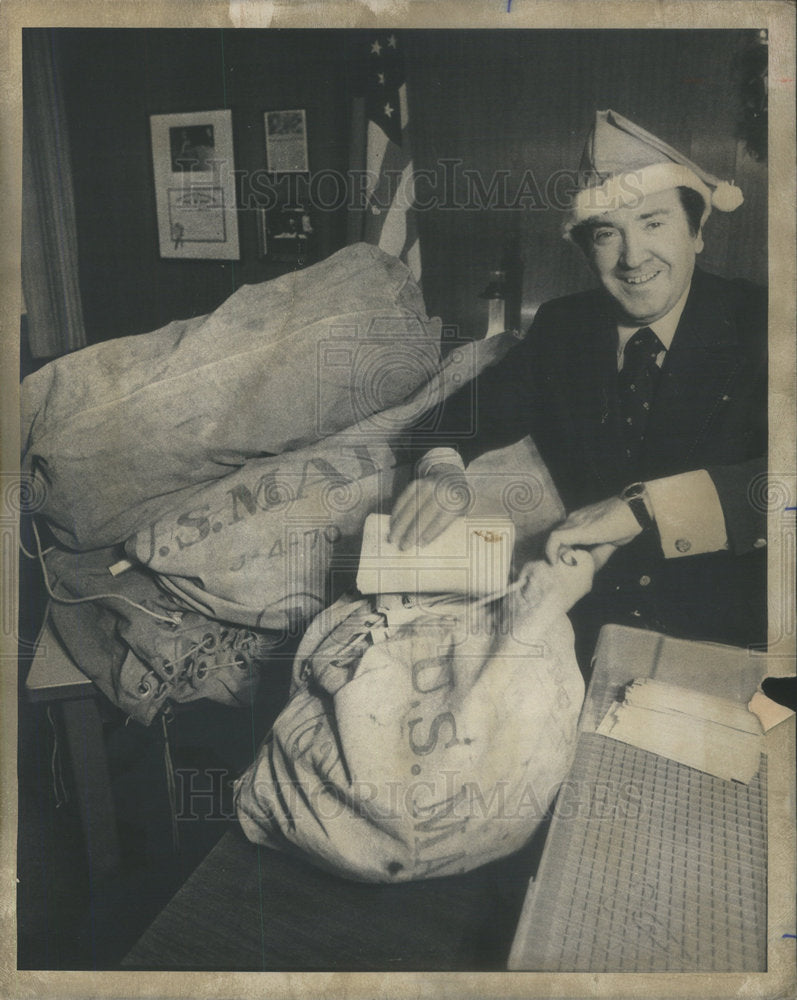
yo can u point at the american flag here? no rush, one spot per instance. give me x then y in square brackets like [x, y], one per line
[390, 220]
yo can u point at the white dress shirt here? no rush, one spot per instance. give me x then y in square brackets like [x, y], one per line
[664, 329]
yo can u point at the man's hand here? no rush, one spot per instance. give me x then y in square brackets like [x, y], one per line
[601, 527]
[427, 506]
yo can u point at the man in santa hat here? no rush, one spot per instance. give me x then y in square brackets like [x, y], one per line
[647, 400]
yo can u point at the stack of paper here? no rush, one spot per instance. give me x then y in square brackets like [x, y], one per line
[472, 556]
[703, 731]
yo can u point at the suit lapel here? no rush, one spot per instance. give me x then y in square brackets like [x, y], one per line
[699, 367]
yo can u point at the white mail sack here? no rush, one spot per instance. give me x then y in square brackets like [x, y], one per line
[425, 735]
[112, 433]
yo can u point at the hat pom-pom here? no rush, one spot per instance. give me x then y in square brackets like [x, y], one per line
[726, 197]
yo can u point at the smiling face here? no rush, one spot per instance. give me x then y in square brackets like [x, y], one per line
[644, 256]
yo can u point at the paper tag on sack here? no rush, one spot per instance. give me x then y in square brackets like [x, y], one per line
[472, 556]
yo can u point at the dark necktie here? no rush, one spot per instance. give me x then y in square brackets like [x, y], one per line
[636, 387]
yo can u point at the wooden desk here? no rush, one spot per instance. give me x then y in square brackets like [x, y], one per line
[250, 908]
[55, 678]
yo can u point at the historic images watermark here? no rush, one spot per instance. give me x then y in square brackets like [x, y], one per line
[22, 496]
[448, 186]
[205, 795]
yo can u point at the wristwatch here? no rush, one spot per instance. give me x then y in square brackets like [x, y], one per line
[634, 496]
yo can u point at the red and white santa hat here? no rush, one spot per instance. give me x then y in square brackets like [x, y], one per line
[622, 163]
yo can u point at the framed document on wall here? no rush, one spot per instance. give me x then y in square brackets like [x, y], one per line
[286, 142]
[192, 158]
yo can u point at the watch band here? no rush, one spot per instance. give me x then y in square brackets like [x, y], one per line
[634, 496]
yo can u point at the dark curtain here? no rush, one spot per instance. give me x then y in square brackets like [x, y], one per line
[49, 242]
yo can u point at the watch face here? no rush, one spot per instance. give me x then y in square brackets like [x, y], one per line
[633, 491]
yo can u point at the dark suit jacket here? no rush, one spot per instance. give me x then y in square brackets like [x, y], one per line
[560, 386]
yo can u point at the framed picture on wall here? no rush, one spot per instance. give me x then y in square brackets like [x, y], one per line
[286, 234]
[192, 158]
[286, 142]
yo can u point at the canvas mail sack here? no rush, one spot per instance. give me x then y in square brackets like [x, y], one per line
[276, 541]
[111, 432]
[424, 735]
[143, 649]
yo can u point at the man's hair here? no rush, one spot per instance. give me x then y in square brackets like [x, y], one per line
[691, 201]
[693, 205]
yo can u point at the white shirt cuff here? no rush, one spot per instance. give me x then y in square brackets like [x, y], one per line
[688, 514]
[438, 456]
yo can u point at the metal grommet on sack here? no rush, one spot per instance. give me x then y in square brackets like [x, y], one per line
[375, 621]
[144, 686]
